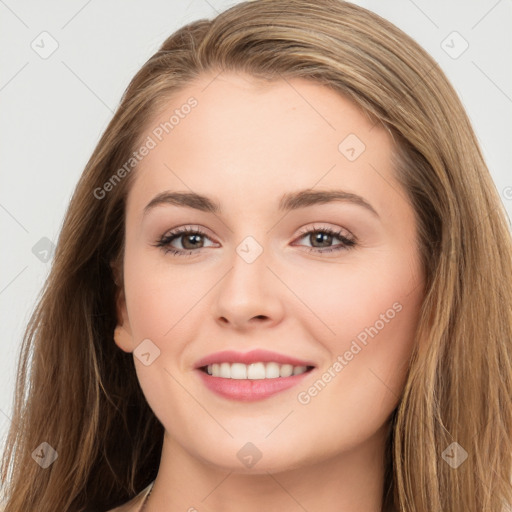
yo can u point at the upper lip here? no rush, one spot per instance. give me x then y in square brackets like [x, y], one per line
[254, 356]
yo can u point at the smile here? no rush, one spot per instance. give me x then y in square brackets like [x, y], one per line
[253, 371]
[246, 382]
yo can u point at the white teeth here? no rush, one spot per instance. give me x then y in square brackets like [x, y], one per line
[253, 371]
[225, 370]
[238, 371]
[271, 370]
[286, 370]
[256, 371]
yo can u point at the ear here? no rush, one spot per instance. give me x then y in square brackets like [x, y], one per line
[122, 334]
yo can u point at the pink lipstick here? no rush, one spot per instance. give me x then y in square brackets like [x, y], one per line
[253, 375]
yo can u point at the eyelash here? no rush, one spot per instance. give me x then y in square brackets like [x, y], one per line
[165, 241]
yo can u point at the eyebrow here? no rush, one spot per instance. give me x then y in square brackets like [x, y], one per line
[289, 201]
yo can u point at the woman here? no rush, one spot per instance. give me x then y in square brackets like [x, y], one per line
[197, 354]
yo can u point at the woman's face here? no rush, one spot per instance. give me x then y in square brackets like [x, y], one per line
[262, 273]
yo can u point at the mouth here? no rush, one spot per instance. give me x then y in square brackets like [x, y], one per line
[253, 371]
[251, 376]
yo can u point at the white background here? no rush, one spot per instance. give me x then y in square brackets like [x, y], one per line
[55, 109]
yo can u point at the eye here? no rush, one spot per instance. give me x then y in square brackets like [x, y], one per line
[321, 238]
[190, 241]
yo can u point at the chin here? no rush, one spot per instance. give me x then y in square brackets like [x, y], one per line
[253, 459]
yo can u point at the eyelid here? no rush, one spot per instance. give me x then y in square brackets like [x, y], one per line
[183, 229]
[193, 228]
[308, 229]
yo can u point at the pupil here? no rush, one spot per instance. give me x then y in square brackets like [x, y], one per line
[190, 238]
[320, 236]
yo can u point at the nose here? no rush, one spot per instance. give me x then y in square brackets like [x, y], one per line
[249, 295]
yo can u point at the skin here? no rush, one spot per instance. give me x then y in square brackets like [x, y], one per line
[245, 145]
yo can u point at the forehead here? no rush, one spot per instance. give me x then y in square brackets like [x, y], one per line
[237, 135]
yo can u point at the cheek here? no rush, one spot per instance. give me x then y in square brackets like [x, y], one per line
[362, 381]
[343, 299]
[366, 314]
[159, 295]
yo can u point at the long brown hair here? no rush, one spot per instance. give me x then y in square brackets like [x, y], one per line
[79, 393]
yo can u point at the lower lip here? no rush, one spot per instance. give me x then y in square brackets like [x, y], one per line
[249, 390]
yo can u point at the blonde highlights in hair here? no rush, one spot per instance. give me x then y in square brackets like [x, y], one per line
[459, 385]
